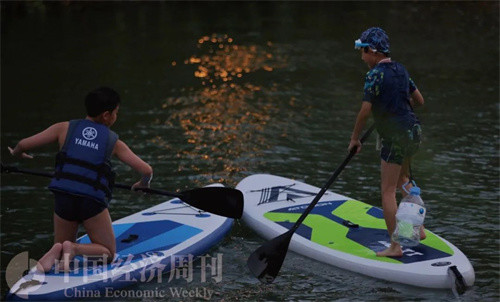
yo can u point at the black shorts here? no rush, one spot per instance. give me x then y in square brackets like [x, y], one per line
[396, 149]
[75, 207]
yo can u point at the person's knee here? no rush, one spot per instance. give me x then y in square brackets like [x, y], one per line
[389, 198]
[388, 192]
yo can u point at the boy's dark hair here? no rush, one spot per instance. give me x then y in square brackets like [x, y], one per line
[101, 100]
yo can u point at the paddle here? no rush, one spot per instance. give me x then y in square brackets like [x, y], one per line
[222, 201]
[265, 262]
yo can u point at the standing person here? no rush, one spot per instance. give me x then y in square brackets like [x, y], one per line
[84, 178]
[390, 94]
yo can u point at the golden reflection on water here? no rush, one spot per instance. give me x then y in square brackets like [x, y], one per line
[224, 119]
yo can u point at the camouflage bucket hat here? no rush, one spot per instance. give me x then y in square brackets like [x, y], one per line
[375, 38]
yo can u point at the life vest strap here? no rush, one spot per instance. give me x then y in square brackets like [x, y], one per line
[102, 170]
[85, 180]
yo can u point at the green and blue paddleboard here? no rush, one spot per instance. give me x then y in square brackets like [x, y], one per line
[347, 233]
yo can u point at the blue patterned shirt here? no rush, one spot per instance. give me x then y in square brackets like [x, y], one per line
[388, 87]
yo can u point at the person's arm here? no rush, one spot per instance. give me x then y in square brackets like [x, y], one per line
[123, 152]
[364, 113]
[416, 99]
[49, 135]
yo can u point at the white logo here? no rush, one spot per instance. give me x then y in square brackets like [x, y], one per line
[17, 268]
[89, 133]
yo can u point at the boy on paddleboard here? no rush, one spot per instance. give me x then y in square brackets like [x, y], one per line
[84, 179]
[390, 94]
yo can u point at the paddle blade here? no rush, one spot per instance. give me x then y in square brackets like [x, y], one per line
[265, 262]
[221, 201]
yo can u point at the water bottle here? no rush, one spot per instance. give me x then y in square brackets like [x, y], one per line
[409, 218]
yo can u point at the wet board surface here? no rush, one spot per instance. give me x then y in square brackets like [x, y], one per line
[346, 233]
[147, 242]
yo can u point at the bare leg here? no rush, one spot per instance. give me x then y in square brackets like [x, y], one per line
[63, 230]
[100, 232]
[404, 178]
[389, 179]
[422, 232]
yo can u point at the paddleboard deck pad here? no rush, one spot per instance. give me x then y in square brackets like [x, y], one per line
[148, 243]
[347, 233]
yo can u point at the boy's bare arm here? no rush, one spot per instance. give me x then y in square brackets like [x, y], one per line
[416, 99]
[364, 113]
[50, 135]
[123, 152]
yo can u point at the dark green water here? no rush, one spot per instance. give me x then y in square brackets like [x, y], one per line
[216, 91]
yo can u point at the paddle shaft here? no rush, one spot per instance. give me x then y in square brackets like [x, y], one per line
[222, 201]
[10, 169]
[149, 190]
[266, 261]
[334, 176]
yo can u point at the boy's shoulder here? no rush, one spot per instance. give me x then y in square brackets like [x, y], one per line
[374, 71]
[60, 126]
[380, 69]
[375, 74]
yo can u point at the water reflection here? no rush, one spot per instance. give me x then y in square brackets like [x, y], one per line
[223, 118]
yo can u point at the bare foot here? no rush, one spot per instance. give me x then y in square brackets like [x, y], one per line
[393, 251]
[47, 261]
[68, 250]
[422, 233]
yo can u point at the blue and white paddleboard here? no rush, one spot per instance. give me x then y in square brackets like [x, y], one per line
[147, 244]
[347, 233]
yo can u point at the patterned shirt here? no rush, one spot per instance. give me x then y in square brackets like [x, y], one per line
[388, 87]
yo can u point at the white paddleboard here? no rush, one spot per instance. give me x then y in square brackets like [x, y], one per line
[145, 242]
[347, 233]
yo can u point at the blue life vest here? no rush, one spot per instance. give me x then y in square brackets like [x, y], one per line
[83, 165]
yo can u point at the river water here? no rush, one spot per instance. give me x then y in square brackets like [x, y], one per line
[217, 91]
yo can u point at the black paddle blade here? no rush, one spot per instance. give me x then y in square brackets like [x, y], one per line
[265, 262]
[221, 201]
